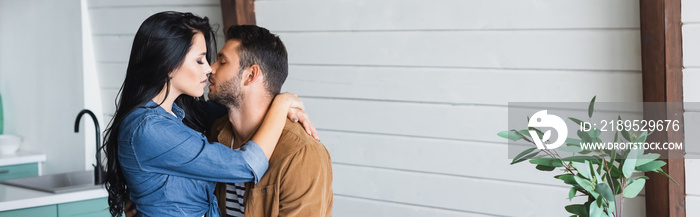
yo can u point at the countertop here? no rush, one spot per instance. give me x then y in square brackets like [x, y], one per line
[21, 157]
[12, 198]
[18, 198]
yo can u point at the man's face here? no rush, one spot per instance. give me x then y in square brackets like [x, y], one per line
[225, 79]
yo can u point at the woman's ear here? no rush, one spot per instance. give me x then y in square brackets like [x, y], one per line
[251, 75]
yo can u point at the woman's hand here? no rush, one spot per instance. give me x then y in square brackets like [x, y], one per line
[129, 209]
[297, 113]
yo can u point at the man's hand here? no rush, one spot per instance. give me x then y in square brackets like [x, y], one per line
[129, 209]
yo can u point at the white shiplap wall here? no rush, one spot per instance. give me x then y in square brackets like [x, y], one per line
[408, 95]
[114, 24]
[691, 93]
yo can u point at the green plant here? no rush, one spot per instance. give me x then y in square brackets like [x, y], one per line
[605, 177]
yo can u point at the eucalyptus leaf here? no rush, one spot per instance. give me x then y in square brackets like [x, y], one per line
[595, 210]
[590, 107]
[575, 120]
[524, 134]
[544, 168]
[572, 193]
[567, 178]
[650, 156]
[584, 136]
[651, 166]
[577, 209]
[511, 135]
[624, 132]
[604, 190]
[539, 132]
[642, 137]
[661, 171]
[526, 151]
[595, 174]
[642, 177]
[586, 151]
[628, 166]
[633, 189]
[613, 156]
[552, 162]
[644, 159]
[611, 209]
[530, 156]
[615, 172]
[584, 183]
[633, 137]
[594, 134]
[583, 169]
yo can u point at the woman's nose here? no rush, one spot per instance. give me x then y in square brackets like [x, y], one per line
[213, 67]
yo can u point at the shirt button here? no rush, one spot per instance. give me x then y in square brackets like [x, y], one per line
[264, 191]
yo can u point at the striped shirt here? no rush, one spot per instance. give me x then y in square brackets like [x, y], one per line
[234, 199]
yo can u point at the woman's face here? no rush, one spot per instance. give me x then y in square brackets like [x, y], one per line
[191, 77]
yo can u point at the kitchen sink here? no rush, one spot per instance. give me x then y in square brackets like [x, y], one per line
[57, 183]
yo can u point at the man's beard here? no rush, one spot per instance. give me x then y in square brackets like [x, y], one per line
[228, 94]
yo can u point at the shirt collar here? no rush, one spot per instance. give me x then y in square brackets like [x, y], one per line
[179, 113]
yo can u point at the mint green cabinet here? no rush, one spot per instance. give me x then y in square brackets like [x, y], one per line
[44, 211]
[85, 208]
[19, 171]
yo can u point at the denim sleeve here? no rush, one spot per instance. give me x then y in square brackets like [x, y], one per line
[161, 145]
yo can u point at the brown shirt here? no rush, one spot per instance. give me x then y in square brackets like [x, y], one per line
[297, 182]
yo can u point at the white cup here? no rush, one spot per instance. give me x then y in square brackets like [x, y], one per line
[9, 144]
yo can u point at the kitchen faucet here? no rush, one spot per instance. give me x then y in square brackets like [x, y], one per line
[98, 165]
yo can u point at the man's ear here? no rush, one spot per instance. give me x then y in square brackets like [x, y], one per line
[253, 74]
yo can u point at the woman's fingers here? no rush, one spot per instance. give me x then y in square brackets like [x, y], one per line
[297, 114]
[296, 102]
[292, 115]
[298, 105]
[308, 126]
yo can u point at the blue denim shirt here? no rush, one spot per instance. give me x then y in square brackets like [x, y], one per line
[171, 169]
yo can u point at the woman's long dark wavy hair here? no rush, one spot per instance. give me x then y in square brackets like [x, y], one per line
[159, 48]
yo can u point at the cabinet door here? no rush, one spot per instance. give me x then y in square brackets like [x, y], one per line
[19, 171]
[85, 208]
[48, 211]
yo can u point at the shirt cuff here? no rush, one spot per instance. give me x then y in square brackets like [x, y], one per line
[256, 159]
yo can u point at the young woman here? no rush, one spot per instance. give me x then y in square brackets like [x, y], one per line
[157, 154]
